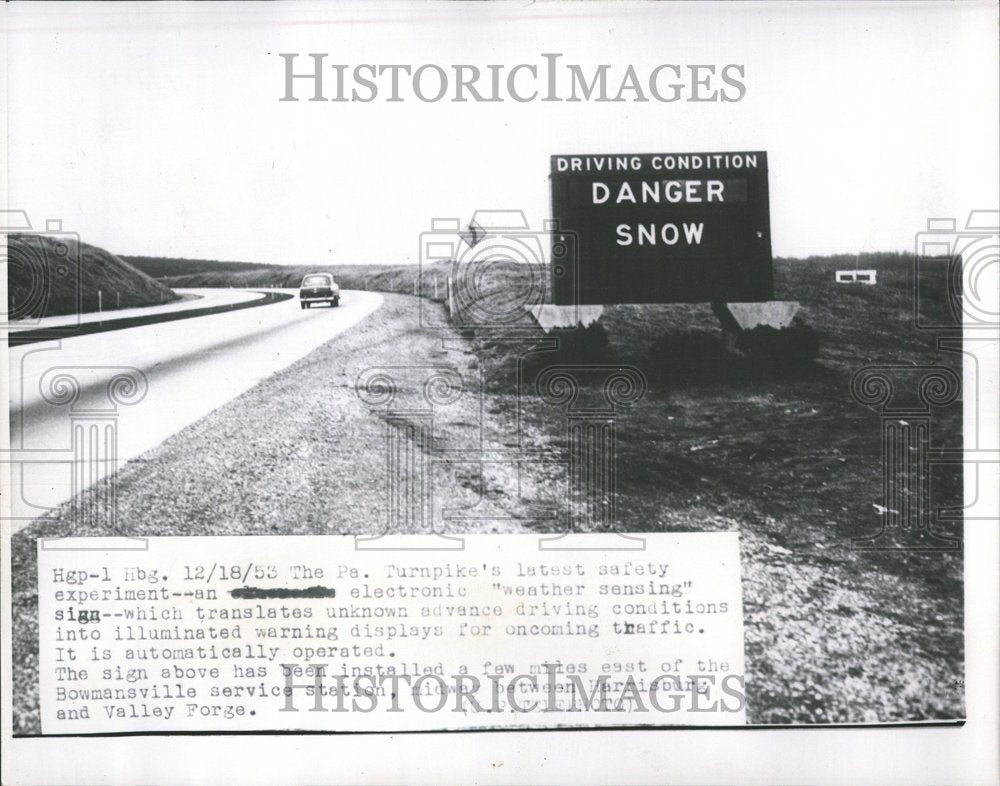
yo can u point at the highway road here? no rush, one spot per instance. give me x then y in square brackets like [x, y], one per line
[149, 382]
[190, 300]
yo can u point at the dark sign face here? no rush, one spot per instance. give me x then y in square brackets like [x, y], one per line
[661, 228]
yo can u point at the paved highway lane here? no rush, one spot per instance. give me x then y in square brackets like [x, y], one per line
[191, 299]
[150, 382]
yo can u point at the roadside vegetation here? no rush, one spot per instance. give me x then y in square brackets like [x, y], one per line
[158, 267]
[203, 273]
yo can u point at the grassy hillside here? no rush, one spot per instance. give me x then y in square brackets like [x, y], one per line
[161, 267]
[49, 276]
[385, 278]
[209, 273]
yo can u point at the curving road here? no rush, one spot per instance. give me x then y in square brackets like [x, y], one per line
[76, 325]
[191, 299]
[150, 382]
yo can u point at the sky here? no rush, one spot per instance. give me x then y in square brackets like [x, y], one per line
[157, 130]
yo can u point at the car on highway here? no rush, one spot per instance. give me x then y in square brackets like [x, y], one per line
[319, 288]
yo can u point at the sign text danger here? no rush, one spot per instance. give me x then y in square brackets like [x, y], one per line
[662, 228]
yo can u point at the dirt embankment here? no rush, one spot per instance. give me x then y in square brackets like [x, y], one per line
[49, 276]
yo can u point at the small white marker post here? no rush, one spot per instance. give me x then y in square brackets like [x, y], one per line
[100, 301]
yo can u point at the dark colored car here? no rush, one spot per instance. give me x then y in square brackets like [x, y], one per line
[319, 288]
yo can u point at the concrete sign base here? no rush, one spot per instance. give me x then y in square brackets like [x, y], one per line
[550, 317]
[739, 317]
[735, 317]
[776, 314]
